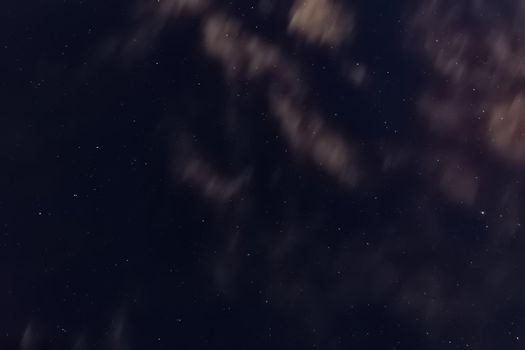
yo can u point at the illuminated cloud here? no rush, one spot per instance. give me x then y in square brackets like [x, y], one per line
[472, 104]
[29, 338]
[152, 18]
[245, 56]
[481, 95]
[202, 177]
[311, 138]
[506, 128]
[176, 7]
[321, 22]
[170, 8]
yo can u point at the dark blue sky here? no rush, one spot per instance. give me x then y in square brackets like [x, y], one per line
[261, 175]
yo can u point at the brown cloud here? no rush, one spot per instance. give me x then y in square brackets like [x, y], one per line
[321, 22]
[308, 135]
[506, 128]
[481, 96]
[206, 180]
[243, 55]
[246, 56]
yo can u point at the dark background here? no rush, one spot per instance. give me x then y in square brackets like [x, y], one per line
[103, 246]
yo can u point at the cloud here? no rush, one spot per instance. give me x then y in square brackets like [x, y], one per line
[481, 66]
[245, 56]
[506, 128]
[198, 173]
[311, 138]
[201, 176]
[471, 103]
[151, 18]
[321, 22]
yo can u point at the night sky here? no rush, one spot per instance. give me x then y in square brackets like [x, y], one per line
[262, 174]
